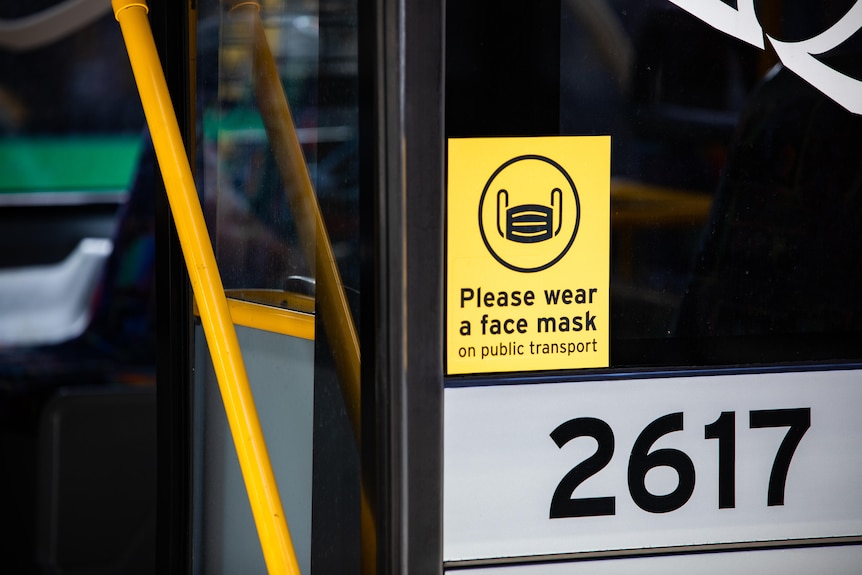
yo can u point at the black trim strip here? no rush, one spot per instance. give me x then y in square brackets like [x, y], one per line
[655, 552]
[170, 23]
[526, 378]
[405, 409]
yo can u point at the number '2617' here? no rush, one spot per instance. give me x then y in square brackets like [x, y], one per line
[642, 460]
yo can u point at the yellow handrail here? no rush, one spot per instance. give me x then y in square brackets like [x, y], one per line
[266, 317]
[208, 290]
[275, 320]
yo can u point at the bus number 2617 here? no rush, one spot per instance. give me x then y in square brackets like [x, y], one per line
[642, 460]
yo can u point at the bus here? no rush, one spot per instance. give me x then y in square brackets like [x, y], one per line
[428, 287]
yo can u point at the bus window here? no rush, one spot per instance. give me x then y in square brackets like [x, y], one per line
[733, 179]
[725, 137]
[70, 139]
[69, 126]
[763, 265]
[277, 112]
[732, 185]
[77, 312]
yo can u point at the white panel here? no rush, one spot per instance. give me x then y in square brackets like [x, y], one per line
[281, 374]
[502, 467]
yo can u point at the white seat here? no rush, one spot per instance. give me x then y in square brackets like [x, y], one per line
[42, 305]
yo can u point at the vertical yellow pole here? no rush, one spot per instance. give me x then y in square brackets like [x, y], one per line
[208, 290]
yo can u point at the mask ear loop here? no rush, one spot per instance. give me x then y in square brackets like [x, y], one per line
[559, 193]
[500, 194]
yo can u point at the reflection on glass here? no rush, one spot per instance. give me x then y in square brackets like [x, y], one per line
[734, 197]
[77, 304]
[70, 119]
[278, 147]
[262, 239]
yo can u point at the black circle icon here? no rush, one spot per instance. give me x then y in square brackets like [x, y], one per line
[529, 213]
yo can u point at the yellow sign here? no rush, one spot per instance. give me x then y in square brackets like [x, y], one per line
[528, 248]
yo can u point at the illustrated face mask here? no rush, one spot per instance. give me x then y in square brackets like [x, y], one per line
[529, 223]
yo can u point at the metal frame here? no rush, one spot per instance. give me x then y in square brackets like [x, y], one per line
[408, 380]
[170, 23]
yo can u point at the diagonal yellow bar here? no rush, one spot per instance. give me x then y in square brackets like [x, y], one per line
[208, 290]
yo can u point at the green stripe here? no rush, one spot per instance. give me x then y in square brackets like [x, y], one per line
[93, 164]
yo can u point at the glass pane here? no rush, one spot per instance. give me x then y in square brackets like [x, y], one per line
[734, 180]
[253, 195]
[69, 125]
[278, 135]
[734, 183]
[77, 307]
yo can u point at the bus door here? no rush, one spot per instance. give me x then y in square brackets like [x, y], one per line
[303, 152]
[652, 322]
[278, 140]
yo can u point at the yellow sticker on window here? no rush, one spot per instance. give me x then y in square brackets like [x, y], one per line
[528, 254]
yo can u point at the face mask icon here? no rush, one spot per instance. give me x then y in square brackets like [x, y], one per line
[529, 223]
[519, 232]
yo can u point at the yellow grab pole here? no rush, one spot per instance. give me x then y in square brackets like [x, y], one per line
[278, 121]
[208, 290]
